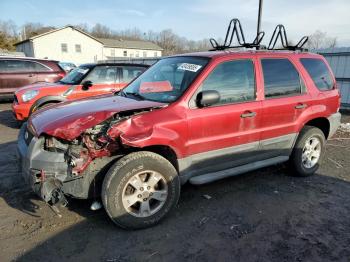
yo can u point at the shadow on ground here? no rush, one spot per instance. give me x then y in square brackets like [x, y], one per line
[260, 216]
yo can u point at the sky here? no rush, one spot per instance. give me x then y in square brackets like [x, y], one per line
[194, 19]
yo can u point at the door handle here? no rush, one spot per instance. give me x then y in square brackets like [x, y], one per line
[300, 106]
[248, 114]
[31, 75]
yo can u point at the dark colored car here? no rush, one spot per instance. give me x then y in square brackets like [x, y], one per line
[85, 81]
[17, 72]
[196, 117]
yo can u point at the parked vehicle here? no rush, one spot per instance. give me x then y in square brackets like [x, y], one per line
[85, 81]
[195, 117]
[16, 72]
[67, 66]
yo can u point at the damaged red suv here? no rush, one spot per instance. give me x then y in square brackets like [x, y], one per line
[189, 118]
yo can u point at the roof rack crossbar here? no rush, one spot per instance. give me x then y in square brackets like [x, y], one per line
[280, 33]
[235, 29]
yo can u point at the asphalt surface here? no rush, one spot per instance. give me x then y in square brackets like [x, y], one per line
[264, 215]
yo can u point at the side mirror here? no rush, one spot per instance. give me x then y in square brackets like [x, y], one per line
[207, 98]
[86, 85]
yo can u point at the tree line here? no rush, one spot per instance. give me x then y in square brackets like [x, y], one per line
[171, 42]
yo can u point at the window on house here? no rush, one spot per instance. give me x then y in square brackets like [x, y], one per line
[137, 54]
[125, 53]
[112, 52]
[64, 48]
[78, 48]
[144, 54]
[155, 54]
[280, 78]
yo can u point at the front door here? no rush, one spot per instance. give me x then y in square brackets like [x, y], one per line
[102, 80]
[226, 134]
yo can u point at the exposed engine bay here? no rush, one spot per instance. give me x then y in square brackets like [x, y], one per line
[86, 159]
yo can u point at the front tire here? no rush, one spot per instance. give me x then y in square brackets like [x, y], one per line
[140, 189]
[308, 151]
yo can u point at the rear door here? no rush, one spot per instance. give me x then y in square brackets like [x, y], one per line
[226, 134]
[286, 99]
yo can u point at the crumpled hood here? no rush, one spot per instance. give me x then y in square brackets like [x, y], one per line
[40, 86]
[69, 119]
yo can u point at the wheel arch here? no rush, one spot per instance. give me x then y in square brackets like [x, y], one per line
[44, 100]
[164, 150]
[322, 123]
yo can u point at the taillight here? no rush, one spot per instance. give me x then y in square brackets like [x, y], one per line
[61, 74]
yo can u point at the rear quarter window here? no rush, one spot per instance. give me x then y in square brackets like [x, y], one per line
[319, 73]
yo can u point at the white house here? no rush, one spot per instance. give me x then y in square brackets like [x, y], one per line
[70, 44]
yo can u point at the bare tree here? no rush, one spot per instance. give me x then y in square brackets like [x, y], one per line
[8, 35]
[101, 31]
[320, 40]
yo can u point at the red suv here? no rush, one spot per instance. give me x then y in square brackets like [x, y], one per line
[85, 81]
[17, 72]
[189, 118]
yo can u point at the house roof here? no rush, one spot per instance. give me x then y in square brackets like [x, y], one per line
[118, 43]
[132, 44]
[55, 30]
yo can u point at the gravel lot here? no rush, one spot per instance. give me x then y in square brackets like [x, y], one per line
[260, 216]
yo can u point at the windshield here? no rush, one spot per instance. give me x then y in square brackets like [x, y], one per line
[75, 76]
[166, 80]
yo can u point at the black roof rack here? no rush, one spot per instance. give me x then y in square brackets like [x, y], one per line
[235, 28]
[280, 33]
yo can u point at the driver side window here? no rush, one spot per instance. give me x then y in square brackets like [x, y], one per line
[103, 75]
[234, 80]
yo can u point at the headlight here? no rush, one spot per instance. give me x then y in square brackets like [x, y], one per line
[29, 95]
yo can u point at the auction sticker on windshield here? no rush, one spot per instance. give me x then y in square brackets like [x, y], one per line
[189, 67]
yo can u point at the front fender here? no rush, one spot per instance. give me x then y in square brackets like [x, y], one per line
[135, 133]
[44, 100]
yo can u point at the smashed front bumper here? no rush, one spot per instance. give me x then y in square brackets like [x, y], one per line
[42, 168]
[36, 164]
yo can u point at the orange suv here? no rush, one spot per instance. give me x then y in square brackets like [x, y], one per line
[85, 81]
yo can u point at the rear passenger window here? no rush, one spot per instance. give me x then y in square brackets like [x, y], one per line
[319, 73]
[234, 80]
[40, 68]
[129, 73]
[280, 78]
[21, 66]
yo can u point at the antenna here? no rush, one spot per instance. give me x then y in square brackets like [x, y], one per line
[259, 18]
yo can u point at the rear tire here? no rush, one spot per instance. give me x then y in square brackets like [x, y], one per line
[140, 189]
[308, 152]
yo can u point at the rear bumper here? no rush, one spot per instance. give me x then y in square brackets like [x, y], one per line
[334, 123]
[20, 111]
